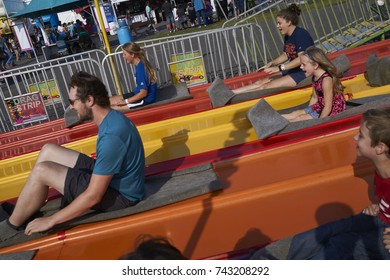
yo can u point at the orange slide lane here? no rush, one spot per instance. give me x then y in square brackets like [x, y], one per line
[267, 196]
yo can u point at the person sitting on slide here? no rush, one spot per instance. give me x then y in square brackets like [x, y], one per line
[296, 41]
[145, 78]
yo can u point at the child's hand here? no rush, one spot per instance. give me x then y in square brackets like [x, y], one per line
[372, 210]
[386, 238]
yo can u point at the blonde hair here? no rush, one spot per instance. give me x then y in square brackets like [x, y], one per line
[140, 53]
[316, 55]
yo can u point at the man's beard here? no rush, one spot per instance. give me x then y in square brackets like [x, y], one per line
[87, 117]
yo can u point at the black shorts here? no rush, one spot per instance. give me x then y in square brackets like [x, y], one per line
[77, 180]
[297, 76]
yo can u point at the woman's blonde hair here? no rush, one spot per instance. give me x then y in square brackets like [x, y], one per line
[316, 55]
[140, 53]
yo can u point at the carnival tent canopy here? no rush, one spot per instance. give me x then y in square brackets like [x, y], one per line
[38, 8]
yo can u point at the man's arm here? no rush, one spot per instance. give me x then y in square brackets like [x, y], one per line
[85, 201]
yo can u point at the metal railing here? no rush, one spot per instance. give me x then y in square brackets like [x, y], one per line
[333, 24]
[226, 52]
[50, 77]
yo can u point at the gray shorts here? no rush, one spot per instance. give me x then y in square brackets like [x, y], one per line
[77, 180]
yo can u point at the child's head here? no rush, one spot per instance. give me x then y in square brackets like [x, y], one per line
[317, 56]
[319, 60]
[154, 248]
[376, 123]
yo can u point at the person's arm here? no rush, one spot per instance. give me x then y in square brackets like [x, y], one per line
[85, 201]
[272, 66]
[327, 88]
[296, 62]
[313, 98]
[138, 96]
[372, 210]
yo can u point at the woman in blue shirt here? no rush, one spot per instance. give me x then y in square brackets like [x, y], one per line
[145, 90]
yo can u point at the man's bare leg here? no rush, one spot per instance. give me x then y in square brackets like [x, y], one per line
[49, 171]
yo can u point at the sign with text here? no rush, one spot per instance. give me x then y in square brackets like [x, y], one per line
[188, 68]
[48, 90]
[26, 108]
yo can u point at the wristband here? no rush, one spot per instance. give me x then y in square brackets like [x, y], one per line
[127, 102]
[282, 67]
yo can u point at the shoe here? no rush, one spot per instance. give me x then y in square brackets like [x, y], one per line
[199, 26]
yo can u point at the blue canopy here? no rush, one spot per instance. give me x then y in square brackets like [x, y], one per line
[38, 8]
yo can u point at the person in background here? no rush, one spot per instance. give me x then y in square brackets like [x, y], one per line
[115, 180]
[15, 47]
[181, 13]
[200, 6]
[222, 9]
[191, 13]
[231, 9]
[71, 30]
[327, 98]
[239, 6]
[380, 10]
[208, 12]
[150, 16]
[145, 91]
[9, 59]
[169, 17]
[296, 41]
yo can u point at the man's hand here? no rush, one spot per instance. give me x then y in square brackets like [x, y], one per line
[39, 225]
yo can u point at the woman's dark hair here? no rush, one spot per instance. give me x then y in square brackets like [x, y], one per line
[155, 248]
[89, 85]
[291, 13]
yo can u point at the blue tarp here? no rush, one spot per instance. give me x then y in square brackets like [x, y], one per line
[38, 8]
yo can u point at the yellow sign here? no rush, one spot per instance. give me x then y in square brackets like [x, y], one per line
[188, 68]
[4, 25]
[47, 88]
